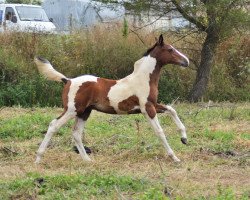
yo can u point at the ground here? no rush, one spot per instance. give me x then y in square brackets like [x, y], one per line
[129, 162]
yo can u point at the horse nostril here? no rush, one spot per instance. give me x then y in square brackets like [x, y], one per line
[185, 63]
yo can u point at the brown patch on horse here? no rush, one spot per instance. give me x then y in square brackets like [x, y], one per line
[85, 115]
[103, 87]
[84, 96]
[65, 97]
[153, 83]
[150, 109]
[160, 108]
[129, 103]
[93, 95]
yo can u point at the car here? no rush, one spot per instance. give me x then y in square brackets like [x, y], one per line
[25, 18]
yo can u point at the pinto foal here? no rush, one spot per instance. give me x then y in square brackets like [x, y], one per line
[136, 93]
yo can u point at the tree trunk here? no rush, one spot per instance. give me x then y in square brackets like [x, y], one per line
[203, 72]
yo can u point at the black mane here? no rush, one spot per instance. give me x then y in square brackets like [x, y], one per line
[149, 50]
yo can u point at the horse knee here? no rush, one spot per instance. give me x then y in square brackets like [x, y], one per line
[52, 123]
[52, 126]
[171, 110]
[150, 110]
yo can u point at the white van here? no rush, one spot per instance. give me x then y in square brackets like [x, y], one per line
[24, 18]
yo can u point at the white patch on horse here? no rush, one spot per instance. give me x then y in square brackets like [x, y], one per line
[136, 84]
[182, 55]
[74, 87]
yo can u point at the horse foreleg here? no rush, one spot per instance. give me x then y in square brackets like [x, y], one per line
[53, 128]
[150, 113]
[171, 111]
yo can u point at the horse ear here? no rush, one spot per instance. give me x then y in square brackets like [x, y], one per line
[160, 41]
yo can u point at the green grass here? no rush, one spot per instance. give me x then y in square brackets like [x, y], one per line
[100, 186]
[26, 126]
[97, 186]
[129, 161]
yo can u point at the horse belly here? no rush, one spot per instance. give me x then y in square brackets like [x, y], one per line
[104, 108]
[129, 105]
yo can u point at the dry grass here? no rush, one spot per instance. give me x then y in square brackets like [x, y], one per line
[203, 168]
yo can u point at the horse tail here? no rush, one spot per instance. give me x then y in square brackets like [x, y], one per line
[46, 69]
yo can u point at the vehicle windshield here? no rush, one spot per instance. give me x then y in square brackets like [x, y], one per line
[28, 13]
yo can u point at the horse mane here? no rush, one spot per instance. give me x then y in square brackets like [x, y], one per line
[149, 50]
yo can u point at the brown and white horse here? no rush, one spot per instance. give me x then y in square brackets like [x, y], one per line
[136, 93]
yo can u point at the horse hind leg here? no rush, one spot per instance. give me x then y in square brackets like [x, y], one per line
[77, 134]
[53, 128]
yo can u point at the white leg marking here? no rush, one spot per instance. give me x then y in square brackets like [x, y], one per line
[177, 120]
[77, 135]
[53, 127]
[159, 132]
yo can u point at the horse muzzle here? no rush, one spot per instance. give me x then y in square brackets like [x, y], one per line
[184, 63]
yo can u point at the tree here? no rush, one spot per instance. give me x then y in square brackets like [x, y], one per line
[217, 18]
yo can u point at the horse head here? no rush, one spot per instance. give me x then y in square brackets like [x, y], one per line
[167, 54]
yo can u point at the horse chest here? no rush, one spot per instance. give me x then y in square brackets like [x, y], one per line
[128, 94]
[132, 92]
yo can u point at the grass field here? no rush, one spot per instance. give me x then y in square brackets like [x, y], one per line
[129, 162]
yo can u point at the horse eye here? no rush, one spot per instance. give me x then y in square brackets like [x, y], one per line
[170, 50]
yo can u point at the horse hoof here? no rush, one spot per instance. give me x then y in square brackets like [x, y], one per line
[75, 149]
[87, 159]
[184, 140]
[175, 159]
[37, 160]
[87, 149]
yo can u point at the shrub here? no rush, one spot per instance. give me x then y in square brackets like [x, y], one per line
[105, 52]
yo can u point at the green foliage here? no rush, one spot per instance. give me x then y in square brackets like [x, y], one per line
[225, 194]
[36, 2]
[31, 91]
[218, 19]
[108, 55]
[125, 28]
[230, 74]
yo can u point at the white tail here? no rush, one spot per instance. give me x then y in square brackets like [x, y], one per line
[46, 69]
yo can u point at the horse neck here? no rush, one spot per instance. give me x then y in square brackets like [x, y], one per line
[146, 71]
[155, 76]
[144, 67]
